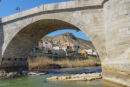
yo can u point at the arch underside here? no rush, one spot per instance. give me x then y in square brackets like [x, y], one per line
[23, 42]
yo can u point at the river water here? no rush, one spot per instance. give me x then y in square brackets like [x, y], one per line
[40, 81]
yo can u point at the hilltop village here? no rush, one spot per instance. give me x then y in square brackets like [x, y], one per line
[51, 47]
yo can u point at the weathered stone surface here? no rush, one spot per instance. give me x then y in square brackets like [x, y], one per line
[116, 65]
[14, 64]
[105, 22]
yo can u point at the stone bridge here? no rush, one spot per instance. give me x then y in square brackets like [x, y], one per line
[105, 22]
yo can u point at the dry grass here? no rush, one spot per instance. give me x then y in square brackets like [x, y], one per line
[43, 62]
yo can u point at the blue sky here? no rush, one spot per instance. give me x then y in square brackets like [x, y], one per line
[7, 7]
[78, 34]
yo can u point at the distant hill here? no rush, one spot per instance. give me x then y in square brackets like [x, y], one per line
[70, 38]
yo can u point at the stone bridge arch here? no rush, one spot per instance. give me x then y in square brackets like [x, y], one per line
[30, 30]
[24, 40]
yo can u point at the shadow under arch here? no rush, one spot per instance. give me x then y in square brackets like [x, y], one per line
[23, 42]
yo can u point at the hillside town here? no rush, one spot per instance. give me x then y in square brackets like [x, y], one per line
[47, 47]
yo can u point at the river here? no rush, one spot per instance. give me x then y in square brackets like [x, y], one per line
[40, 81]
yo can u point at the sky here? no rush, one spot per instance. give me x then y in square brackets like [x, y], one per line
[78, 34]
[7, 7]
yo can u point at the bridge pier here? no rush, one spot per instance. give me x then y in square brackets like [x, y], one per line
[13, 64]
[117, 71]
[116, 65]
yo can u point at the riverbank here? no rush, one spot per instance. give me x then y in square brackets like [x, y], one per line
[44, 63]
[63, 71]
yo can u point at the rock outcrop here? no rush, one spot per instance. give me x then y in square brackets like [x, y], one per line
[76, 77]
[6, 75]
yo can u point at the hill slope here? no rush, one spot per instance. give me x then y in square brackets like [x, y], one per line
[70, 38]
